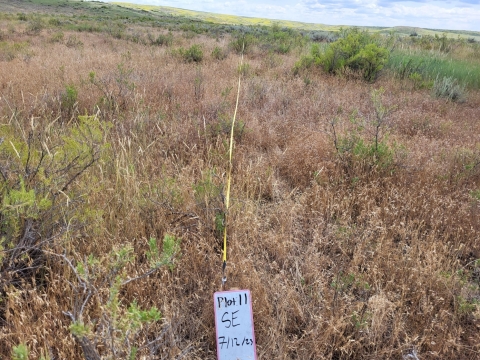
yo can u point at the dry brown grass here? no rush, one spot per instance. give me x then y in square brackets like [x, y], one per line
[344, 261]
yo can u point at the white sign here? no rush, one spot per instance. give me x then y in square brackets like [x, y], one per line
[234, 325]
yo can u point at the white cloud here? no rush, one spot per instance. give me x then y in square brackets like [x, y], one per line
[449, 14]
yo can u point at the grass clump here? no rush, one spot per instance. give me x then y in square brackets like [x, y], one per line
[405, 63]
[20, 352]
[10, 50]
[449, 88]
[193, 54]
[243, 43]
[161, 40]
[219, 54]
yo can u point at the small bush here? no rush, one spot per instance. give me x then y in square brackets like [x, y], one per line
[193, 54]
[218, 53]
[243, 43]
[22, 17]
[9, 51]
[244, 69]
[68, 101]
[35, 26]
[54, 22]
[322, 36]
[449, 88]
[307, 61]
[57, 37]
[357, 51]
[369, 60]
[73, 42]
[161, 40]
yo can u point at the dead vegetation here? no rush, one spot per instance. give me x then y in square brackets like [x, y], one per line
[349, 252]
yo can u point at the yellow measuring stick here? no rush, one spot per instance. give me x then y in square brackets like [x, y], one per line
[229, 172]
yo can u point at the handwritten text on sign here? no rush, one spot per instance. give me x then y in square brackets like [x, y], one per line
[234, 325]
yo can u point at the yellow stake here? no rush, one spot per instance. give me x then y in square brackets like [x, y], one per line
[229, 173]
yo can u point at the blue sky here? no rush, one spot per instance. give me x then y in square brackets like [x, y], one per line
[452, 14]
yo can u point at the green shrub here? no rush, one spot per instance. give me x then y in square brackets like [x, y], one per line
[218, 53]
[161, 40]
[68, 101]
[308, 61]
[54, 22]
[365, 144]
[369, 61]
[38, 202]
[243, 43]
[356, 51]
[57, 37]
[35, 26]
[449, 88]
[127, 321]
[10, 50]
[193, 54]
[73, 42]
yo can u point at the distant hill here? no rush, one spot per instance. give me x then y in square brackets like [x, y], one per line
[243, 20]
[153, 12]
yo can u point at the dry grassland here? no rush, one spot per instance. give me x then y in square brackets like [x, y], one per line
[345, 258]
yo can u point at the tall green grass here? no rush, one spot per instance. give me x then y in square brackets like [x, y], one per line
[430, 66]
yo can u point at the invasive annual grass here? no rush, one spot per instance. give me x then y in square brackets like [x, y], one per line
[354, 211]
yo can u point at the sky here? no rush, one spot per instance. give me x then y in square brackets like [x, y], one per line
[451, 15]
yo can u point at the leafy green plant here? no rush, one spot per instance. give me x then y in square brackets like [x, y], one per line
[307, 61]
[362, 319]
[369, 61]
[37, 191]
[20, 352]
[68, 101]
[119, 326]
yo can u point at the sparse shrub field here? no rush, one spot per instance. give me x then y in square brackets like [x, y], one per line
[355, 208]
